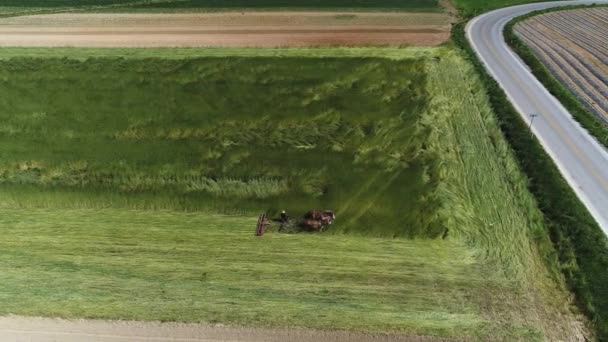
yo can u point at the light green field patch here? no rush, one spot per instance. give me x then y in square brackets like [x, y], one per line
[146, 265]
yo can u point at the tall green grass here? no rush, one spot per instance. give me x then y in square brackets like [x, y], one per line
[27, 7]
[579, 242]
[238, 135]
[11, 8]
[484, 195]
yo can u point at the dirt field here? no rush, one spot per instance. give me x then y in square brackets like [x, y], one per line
[255, 29]
[50, 330]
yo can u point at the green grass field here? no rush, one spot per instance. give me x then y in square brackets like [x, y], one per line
[236, 135]
[189, 267]
[215, 5]
[10, 8]
[123, 164]
[470, 8]
[56, 3]
[24, 7]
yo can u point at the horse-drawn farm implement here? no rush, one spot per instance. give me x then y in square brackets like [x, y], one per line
[312, 221]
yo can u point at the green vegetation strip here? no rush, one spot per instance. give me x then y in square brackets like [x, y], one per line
[83, 54]
[467, 9]
[284, 5]
[580, 243]
[11, 8]
[25, 7]
[248, 134]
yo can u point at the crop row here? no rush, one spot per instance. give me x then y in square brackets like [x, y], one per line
[566, 67]
[572, 45]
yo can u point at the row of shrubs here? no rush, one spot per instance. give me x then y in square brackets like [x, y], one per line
[581, 245]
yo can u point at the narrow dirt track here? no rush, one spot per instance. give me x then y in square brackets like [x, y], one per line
[254, 29]
[52, 330]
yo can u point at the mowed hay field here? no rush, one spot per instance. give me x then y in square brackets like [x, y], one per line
[117, 175]
[572, 45]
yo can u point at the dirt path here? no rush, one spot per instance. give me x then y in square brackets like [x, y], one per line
[14, 328]
[265, 29]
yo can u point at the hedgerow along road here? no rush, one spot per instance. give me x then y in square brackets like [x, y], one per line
[580, 158]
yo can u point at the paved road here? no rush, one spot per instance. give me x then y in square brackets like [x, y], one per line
[582, 161]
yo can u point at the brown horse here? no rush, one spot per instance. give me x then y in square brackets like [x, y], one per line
[317, 220]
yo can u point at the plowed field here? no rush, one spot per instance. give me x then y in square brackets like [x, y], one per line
[225, 29]
[573, 45]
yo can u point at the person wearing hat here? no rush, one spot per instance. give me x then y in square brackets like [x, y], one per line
[284, 217]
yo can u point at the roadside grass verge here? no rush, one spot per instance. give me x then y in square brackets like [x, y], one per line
[579, 242]
[468, 9]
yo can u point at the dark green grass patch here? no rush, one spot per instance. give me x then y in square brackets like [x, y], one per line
[238, 135]
[10, 8]
[211, 5]
[23, 6]
[471, 8]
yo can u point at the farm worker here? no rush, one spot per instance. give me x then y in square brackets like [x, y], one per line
[284, 217]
